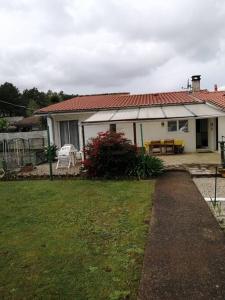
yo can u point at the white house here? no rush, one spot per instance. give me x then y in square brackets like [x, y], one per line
[197, 117]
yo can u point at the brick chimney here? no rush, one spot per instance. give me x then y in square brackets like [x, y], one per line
[196, 83]
[215, 88]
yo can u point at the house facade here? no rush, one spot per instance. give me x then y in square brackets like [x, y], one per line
[196, 117]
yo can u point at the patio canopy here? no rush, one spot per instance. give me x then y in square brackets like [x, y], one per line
[202, 110]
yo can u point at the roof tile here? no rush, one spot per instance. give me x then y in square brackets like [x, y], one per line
[110, 101]
[216, 97]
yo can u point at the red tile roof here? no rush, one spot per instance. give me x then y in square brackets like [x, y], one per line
[110, 101]
[217, 97]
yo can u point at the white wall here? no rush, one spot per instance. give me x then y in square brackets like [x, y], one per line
[66, 117]
[221, 127]
[89, 130]
[92, 130]
[127, 129]
[212, 134]
[154, 130]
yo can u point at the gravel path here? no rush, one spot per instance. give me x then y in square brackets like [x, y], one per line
[43, 170]
[206, 186]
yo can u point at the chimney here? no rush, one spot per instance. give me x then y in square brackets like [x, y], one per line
[196, 83]
[215, 88]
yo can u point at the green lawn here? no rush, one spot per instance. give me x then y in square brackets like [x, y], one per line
[74, 239]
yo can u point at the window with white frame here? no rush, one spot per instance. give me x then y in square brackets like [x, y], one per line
[172, 126]
[183, 125]
[178, 125]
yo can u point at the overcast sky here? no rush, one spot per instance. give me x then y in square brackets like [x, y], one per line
[94, 46]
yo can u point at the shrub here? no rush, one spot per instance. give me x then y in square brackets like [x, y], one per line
[50, 152]
[147, 166]
[4, 124]
[109, 155]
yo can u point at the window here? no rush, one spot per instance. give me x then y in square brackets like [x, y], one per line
[183, 125]
[69, 133]
[172, 125]
[112, 127]
[180, 125]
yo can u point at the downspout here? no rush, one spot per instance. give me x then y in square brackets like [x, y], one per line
[53, 127]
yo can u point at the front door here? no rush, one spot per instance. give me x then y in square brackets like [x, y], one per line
[202, 134]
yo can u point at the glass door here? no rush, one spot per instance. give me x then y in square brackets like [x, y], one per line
[69, 133]
[202, 133]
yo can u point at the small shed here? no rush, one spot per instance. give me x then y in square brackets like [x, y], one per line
[31, 123]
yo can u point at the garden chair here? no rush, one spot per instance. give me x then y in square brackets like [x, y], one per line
[169, 146]
[66, 156]
[155, 145]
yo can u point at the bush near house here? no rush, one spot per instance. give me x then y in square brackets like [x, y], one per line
[4, 124]
[50, 152]
[111, 155]
[147, 166]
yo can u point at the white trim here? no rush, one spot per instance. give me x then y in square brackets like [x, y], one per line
[200, 111]
[137, 121]
[213, 199]
[80, 135]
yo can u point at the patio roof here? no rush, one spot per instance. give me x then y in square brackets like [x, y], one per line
[202, 110]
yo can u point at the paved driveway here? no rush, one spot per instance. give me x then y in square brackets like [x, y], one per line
[185, 251]
[191, 158]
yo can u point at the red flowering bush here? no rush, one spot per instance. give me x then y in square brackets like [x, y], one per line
[109, 155]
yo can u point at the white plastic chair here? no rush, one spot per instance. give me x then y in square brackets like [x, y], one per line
[66, 156]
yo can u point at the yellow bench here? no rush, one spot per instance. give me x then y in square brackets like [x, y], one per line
[177, 146]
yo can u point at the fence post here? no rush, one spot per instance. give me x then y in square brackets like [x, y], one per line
[215, 189]
[49, 154]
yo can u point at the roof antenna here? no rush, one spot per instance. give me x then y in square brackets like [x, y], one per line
[188, 87]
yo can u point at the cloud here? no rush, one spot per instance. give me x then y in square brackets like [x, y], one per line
[96, 45]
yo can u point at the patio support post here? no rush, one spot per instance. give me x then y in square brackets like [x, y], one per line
[142, 139]
[135, 134]
[222, 151]
[83, 140]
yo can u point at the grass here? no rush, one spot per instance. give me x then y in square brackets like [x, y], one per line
[72, 239]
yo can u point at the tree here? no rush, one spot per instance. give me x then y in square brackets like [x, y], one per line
[66, 96]
[40, 98]
[9, 93]
[53, 97]
[32, 99]
[31, 107]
